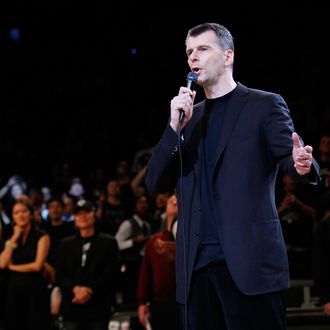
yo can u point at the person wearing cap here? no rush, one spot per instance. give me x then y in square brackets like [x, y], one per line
[87, 272]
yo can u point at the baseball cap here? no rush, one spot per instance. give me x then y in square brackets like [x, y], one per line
[83, 205]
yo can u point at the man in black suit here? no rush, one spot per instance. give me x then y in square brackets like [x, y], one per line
[223, 156]
[87, 273]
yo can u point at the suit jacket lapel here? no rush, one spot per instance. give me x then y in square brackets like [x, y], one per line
[234, 109]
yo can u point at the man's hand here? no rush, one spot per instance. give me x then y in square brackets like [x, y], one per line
[302, 156]
[81, 294]
[326, 309]
[143, 314]
[182, 102]
[140, 240]
[49, 273]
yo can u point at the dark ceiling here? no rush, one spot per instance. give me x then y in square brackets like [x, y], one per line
[72, 88]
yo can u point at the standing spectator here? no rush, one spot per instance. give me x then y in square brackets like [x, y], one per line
[131, 237]
[87, 272]
[156, 285]
[69, 202]
[24, 254]
[38, 204]
[158, 218]
[13, 190]
[112, 208]
[5, 223]
[56, 227]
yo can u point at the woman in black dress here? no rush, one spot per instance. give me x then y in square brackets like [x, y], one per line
[24, 255]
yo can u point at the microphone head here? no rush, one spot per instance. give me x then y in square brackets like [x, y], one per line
[191, 80]
[192, 76]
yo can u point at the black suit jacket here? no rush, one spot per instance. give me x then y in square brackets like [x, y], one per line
[255, 142]
[100, 274]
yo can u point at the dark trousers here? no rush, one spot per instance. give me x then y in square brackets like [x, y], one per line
[164, 316]
[216, 303]
[83, 325]
[129, 282]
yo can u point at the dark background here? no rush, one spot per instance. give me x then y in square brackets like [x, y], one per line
[71, 89]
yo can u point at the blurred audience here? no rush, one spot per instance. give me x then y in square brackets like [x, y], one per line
[297, 212]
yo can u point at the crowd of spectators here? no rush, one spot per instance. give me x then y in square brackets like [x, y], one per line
[120, 241]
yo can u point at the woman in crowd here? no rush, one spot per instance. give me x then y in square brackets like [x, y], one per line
[24, 255]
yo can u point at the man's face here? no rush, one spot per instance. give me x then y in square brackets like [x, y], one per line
[206, 58]
[324, 146]
[84, 219]
[55, 210]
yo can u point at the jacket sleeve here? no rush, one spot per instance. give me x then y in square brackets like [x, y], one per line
[278, 131]
[144, 288]
[162, 168]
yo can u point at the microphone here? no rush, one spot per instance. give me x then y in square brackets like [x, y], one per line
[191, 80]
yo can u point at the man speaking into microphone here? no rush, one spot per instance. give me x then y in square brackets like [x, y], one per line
[223, 158]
